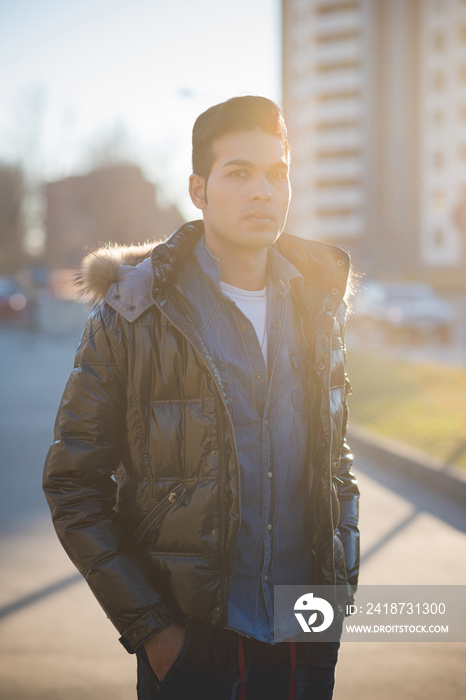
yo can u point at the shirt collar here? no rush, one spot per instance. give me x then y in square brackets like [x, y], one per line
[280, 270]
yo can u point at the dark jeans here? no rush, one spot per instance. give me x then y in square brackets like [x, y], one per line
[213, 664]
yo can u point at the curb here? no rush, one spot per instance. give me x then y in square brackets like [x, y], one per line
[417, 466]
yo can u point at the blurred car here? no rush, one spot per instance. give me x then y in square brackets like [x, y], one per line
[410, 311]
[14, 305]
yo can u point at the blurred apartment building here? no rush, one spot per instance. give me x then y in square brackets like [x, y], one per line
[113, 204]
[374, 92]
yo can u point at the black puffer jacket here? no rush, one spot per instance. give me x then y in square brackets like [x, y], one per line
[142, 478]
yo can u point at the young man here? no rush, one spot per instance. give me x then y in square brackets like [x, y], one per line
[200, 456]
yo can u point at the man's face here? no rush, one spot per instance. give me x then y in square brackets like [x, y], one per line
[246, 198]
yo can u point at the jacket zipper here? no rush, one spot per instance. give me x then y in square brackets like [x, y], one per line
[158, 512]
[223, 517]
[312, 425]
[224, 584]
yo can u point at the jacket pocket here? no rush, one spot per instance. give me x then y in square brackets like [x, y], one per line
[155, 517]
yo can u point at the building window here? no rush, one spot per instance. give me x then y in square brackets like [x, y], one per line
[342, 6]
[338, 95]
[438, 118]
[438, 200]
[332, 126]
[439, 41]
[338, 153]
[337, 183]
[337, 66]
[337, 36]
[439, 238]
[439, 81]
[335, 212]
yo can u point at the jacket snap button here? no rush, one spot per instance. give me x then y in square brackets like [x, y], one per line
[214, 531]
[269, 526]
[244, 328]
[258, 375]
[218, 609]
[214, 453]
[276, 322]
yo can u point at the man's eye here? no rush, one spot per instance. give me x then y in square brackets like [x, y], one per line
[279, 175]
[238, 173]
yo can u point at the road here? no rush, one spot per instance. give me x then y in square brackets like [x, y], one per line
[55, 641]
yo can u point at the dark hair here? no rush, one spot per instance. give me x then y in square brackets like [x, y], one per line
[237, 114]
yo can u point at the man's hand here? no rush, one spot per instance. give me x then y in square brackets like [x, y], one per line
[163, 648]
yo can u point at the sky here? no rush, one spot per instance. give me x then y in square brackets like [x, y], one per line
[129, 77]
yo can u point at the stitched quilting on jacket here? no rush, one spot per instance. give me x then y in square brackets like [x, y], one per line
[142, 476]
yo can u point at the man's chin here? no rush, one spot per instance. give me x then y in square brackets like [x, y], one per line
[260, 235]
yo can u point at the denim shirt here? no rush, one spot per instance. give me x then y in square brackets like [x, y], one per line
[268, 410]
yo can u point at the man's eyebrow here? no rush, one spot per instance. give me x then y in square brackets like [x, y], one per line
[247, 164]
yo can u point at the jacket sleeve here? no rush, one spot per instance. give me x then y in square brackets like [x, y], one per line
[348, 496]
[81, 491]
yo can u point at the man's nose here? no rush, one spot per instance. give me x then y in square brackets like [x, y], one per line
[261, 190]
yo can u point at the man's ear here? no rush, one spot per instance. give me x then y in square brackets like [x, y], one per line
[197, 191]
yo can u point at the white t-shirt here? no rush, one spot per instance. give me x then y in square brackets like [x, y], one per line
[253, 304]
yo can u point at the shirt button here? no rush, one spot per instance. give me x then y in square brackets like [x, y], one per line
[266, 423]
[269, 526]
[276, 322]
[214, 453]
[266, 578]
[214, 532]
[117, 296]
[132, 307]
[340, 262]
[321, 367]
[335, 291]
[269, 475]
[243, 327]
[258, 375]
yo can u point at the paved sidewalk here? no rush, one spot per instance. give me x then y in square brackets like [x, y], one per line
[55, 641]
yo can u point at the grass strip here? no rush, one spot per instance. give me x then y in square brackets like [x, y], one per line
[422, 405]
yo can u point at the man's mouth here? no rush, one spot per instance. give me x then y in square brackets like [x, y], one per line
[260, 217]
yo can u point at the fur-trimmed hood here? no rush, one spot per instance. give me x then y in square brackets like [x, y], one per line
[105, 266]
[125, 276]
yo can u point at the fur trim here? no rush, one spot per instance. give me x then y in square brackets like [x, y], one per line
[101, 268]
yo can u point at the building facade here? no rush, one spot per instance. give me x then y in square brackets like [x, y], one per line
[115, 204]
[374, 93]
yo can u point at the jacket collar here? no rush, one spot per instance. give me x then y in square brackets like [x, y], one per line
[132, 283]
